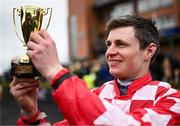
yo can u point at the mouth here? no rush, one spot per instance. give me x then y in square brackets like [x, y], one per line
[114, 62]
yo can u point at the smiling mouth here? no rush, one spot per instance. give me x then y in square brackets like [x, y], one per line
[114, 62]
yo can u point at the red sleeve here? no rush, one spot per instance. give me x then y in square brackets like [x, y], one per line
[75, 101]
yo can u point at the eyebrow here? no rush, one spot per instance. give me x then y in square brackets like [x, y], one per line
[118, 40]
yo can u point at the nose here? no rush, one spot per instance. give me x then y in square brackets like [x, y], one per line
[111, 51]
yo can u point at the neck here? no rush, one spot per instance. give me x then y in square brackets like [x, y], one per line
[123, 82]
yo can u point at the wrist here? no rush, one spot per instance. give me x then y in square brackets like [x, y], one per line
[53, 71]
[59, 78]
[29, 114]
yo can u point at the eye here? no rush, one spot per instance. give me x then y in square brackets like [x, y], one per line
[108, 43]
[120, 44]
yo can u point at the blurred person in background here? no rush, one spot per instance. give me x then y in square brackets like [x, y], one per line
[167, 69]
[156, 67]
[1, 93]
[132, 98]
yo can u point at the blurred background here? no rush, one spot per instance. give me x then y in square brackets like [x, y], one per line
[77, 27]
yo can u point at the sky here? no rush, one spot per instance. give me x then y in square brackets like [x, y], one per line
[11, 46]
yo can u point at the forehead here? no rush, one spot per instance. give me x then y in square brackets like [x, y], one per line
[126, 34]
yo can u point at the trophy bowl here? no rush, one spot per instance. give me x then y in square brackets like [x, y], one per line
[31, 19]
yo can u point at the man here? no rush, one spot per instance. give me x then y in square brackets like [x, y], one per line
[132, 98]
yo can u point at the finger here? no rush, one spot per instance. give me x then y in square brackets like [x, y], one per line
[26, 80]
[44, 34]
[13, 82]
[23, 86]
[36, 38]
[26, 85]
[30, 83]
[31, 53]
[34, 54]
[22, 81]
[18, 93]
[32, 46]
[20, 87]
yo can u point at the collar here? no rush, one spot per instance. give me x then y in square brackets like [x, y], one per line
[135, 84]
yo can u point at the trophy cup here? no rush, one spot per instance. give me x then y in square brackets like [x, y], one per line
[30, 21]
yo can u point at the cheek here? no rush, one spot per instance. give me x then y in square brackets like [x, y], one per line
[106, 54]
[134, 61]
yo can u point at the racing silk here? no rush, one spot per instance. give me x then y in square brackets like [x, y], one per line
[147, 102]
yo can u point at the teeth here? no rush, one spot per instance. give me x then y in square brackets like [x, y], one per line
[113, 62]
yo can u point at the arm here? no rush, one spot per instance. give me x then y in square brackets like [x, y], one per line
[74, 99]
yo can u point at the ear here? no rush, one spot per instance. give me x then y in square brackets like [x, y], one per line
[150, 51]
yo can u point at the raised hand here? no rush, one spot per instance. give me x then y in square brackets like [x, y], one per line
[43, 52]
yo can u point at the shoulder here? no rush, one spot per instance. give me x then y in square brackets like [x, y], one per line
[165, 89]
[160, 85]
[156, 89]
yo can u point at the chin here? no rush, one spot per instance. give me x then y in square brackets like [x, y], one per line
[114, 73]
[118, 73]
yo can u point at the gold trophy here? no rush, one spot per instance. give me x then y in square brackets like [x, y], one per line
[31, 21]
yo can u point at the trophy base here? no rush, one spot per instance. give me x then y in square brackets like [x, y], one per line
[23, 70]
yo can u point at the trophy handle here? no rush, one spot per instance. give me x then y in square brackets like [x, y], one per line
[19, 13]
[45, 13]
